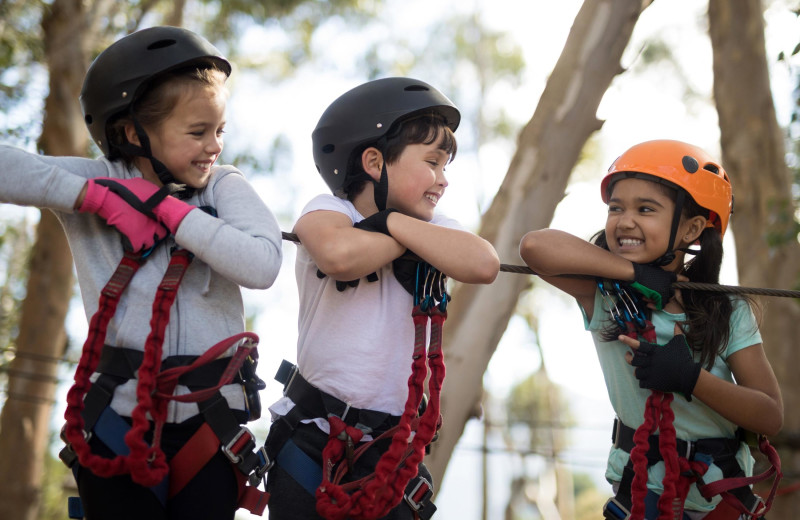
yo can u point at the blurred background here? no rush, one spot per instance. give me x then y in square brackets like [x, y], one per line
[550, 94]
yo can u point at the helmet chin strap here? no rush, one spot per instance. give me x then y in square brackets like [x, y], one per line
[669, 255]
[163, 173]
[381, 191]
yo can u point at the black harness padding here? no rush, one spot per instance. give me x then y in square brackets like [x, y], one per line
[310, 403]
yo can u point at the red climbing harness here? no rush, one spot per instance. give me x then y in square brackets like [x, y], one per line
[680, 472]
[375, 495]
[145, 463]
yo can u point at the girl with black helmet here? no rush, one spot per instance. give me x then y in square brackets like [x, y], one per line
[154, 103]
[669, 204]
[382, 148]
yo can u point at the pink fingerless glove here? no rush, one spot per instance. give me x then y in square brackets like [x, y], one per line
[169, 211]
[139, 231]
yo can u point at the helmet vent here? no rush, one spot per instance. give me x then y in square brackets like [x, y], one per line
[416, 88]
[690, 164]
[328, 148]
[713, 168]
[160, 44]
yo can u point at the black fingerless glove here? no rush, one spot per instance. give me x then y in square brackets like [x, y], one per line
[376, 222]
[667, 368]
[405, 271]
[653, 283]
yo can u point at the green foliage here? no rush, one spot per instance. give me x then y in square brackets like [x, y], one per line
[226, 21]
[21, 52]
[539, 405]
[16, 239]
[475, 54]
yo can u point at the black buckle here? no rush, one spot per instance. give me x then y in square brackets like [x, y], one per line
[228, 449]
[67, 454]
[614, 507]
[285, 375]
[419, 495]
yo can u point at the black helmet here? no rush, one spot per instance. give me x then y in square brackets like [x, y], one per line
[117, 76]
[365, 114]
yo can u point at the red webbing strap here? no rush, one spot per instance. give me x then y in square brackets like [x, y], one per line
[722, 487]
[195, 454]
[191, 458]
[168, 379]
[204, 444]
[377, 494]
[90, 356]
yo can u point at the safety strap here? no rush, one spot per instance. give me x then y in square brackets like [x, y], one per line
[376, 495]
[627, 311]
[147, 464]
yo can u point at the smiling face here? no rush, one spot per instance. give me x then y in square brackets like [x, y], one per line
[639, 220]
[189, 140]
[417, 180]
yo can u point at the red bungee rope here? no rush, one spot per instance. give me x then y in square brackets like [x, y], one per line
[374, 496]
[76, 437]
[679, 473]
[146, 464]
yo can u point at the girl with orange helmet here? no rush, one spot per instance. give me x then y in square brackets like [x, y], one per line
[669, 205]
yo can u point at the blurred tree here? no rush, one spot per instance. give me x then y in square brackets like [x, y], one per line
[538, 408]
[765, 212]
[547, 150]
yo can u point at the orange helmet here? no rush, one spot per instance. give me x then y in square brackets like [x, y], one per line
[683, 165]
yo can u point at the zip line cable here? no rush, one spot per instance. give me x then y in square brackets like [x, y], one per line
[696, 286]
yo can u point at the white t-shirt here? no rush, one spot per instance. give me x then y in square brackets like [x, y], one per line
[355, 344]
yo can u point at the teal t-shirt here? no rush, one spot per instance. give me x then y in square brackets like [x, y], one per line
[693, 420]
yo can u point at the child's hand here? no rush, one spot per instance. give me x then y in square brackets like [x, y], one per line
[654, 283]
[139, 231]
[169, 210]
[376, 222]
[667, 368]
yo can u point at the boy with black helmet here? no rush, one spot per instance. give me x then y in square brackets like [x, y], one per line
[685, 370]
[382, 148]
[154, 102]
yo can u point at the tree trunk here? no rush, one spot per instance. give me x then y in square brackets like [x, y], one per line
[548, 148]
[753, 154]
[25, 420]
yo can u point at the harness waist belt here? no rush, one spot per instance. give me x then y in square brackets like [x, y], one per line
[717, 448]
[317, 403]
[124, 362]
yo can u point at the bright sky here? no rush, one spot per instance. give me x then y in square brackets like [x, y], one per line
[638, 106]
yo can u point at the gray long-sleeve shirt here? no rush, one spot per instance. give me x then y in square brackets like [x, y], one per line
[239, 247]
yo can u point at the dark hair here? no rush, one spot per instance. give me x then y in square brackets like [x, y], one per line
[708, 313]
[425, 128]
[156, 103]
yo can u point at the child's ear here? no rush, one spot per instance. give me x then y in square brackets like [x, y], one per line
[131, 135]
[372, 162]
[694, 228]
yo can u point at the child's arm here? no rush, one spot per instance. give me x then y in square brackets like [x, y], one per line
[754, 402]
[341, 251]
[459, 254]
[243, 241]
[550, 252]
